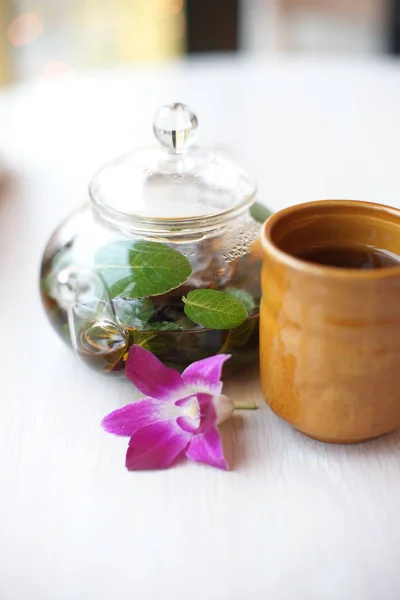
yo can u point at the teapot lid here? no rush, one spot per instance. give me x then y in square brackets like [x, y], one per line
[174, 181]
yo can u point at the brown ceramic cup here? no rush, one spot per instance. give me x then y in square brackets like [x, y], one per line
[330, 336]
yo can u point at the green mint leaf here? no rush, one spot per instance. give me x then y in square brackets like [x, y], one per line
[243, 296]
[185, 323]
[141, 269]
[214, 309]
[259, 212]
[157, 343]
[161, 326]
[133, 312]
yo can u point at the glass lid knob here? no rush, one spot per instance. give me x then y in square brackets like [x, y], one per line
[175, 127]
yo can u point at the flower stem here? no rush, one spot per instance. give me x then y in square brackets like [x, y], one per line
[245, 405]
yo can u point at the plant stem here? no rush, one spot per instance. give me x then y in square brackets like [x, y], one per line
[225, 345]
[246, 405]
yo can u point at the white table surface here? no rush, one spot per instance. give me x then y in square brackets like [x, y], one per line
[294, 518]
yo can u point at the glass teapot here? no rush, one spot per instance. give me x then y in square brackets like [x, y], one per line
[164, 255]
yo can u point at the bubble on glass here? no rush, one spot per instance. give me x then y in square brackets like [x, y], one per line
[240, 245]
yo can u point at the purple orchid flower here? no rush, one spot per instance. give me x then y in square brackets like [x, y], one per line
[179, 415]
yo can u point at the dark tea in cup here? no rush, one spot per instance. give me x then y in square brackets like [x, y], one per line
[350, 257]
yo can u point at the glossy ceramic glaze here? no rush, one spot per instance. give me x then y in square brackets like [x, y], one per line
[330, 337]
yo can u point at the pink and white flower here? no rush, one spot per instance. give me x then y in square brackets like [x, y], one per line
[179, 415]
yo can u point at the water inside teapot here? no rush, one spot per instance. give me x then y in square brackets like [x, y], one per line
[168, 333]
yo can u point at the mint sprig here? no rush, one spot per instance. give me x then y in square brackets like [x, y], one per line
[136, 271]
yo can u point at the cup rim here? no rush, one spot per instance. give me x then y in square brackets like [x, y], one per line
[299, 264]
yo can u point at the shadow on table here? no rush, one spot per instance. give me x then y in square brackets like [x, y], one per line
[7, 182]
[242, 387]
[385, 445]
[8, 215]
[232, 433]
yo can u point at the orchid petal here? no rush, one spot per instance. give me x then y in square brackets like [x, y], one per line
[207, 448]
[205, 375]
[151, 377]
[156, 446]
[130, 418]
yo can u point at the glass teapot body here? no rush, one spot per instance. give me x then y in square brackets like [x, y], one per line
[101, 322]
[110, 279]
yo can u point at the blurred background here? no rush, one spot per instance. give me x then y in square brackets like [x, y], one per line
[43, 39]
